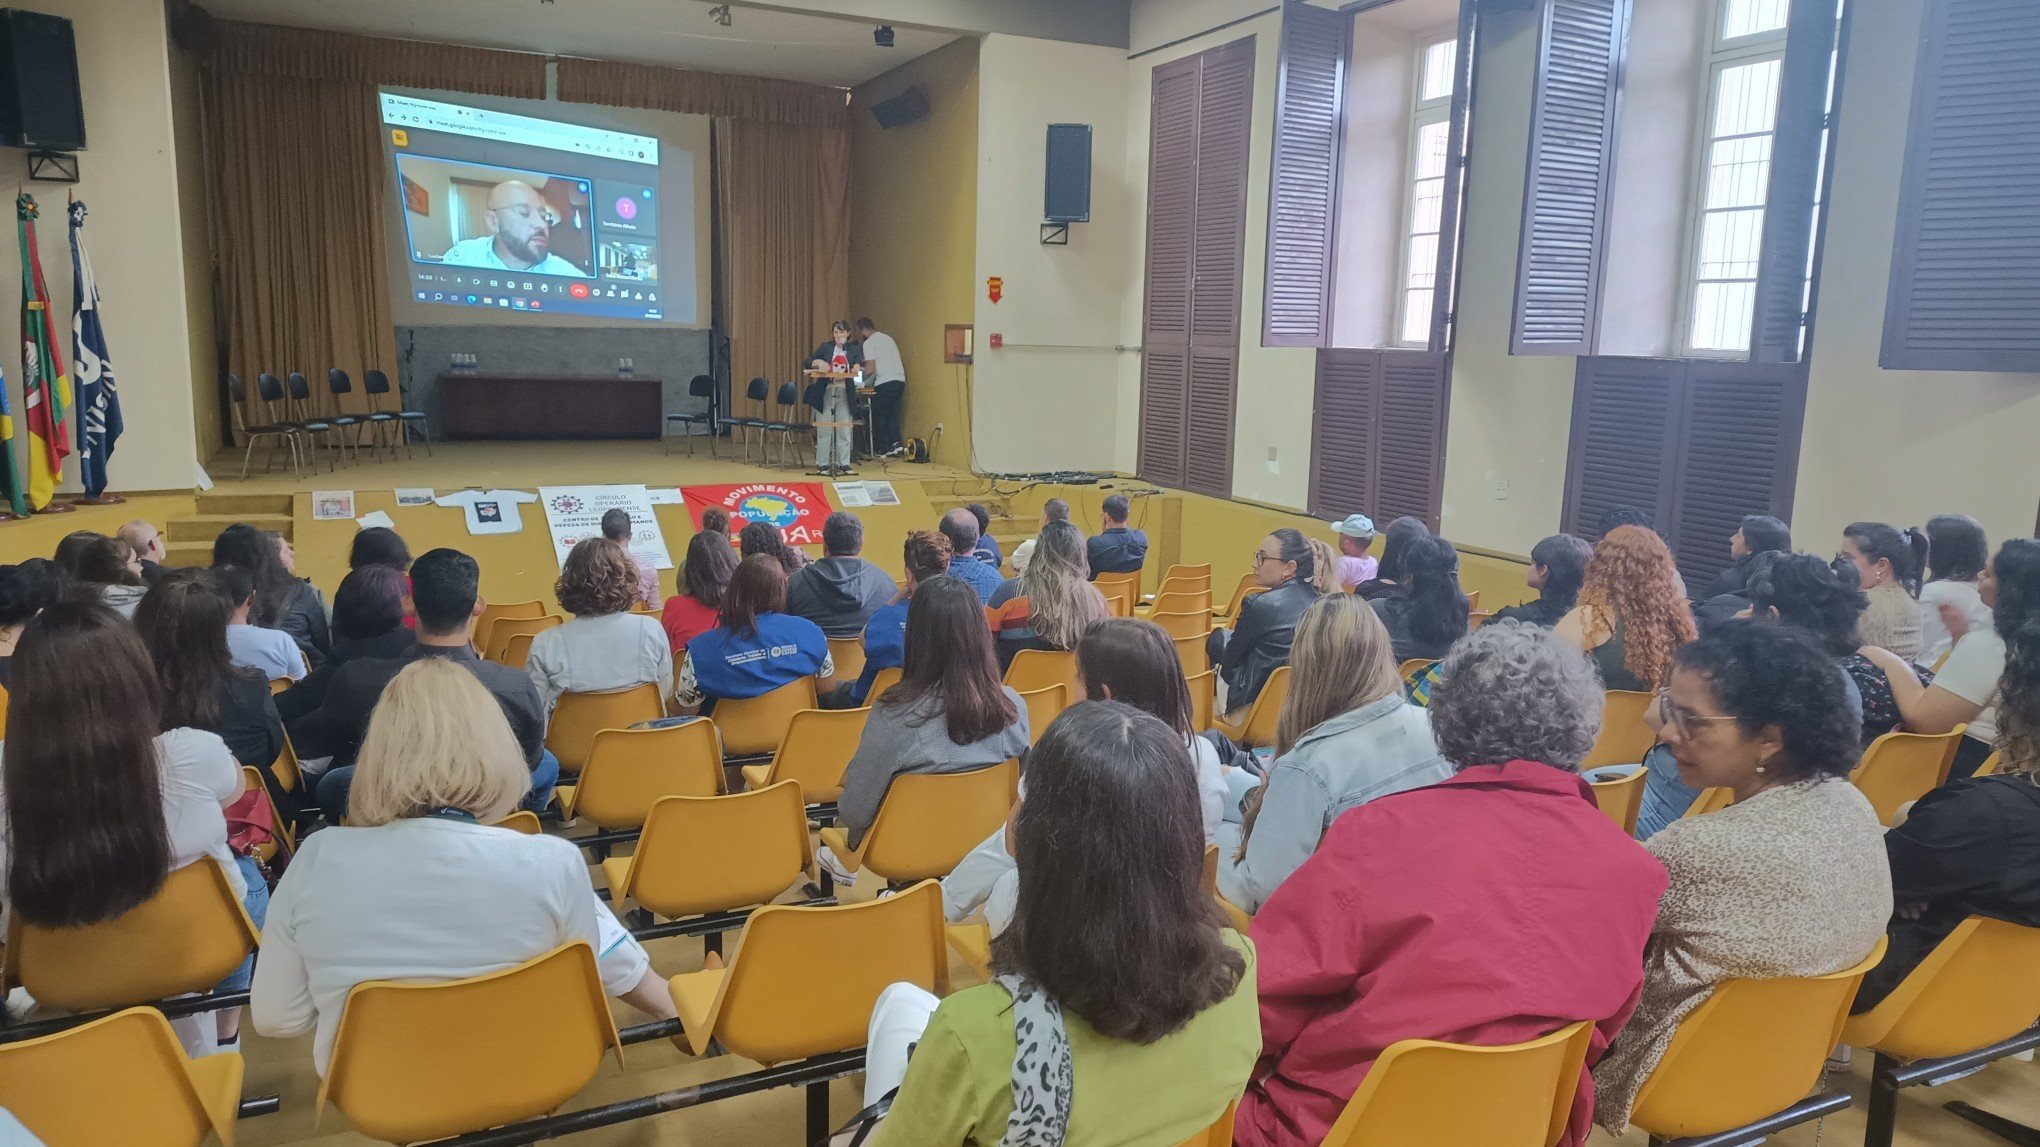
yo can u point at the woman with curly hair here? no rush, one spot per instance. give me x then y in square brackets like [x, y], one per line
[1822, 601]
[764, 538]
[1053, 604]
[603, 646]
[1632, 612]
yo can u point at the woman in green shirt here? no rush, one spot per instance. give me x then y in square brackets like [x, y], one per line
[1138, 1007]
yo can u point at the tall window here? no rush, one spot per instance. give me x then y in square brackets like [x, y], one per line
[1734, 173]
[1430, 135]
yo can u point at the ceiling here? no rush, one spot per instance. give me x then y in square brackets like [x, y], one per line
[676, 33]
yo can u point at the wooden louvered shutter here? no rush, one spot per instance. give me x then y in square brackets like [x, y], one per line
[1409, 476]
[1225, 107]
[1740, 426]
[1565, 194]
[1965, 269]
[1164, 410]
[1780, 311]
[1343, 426]
[1308, 95]
[1172, 209]
[1625, 440]
[1208, 446]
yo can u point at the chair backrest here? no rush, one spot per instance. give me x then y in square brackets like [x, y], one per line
[1473, 599]
[883, 680]
[1182, 625]
[1622, 799]
[848, 655]
[1124, 586]
[1219, 1134]
[630, 770]
[928, 822]
[1989, 767]
[1259, 727]
[577, 717]
[505, 628]
[338, 382]
[804, 979]
[1187, 572]
[1182, 601]
[522, 821]
[1710, 800]
[416, 1061]
[1185, 583]
[193, 931]
[1190, 651]
[267, 386]
[492, 611]
[1425, 1091]
[375, 382]
[517, 651]
[1624, 738]
[1246, 589]
[300, 390]
[1975, 988]
[1753, 1048]
[1044, 705]
[758, 389]
[119, 1079]
[720, 853]
[1034, 669]
[1203, 699]
[754, 726]
[3, 712]
[701, 386]
[289, 775]
[816, 749]
[789, 393]
[1899, 768]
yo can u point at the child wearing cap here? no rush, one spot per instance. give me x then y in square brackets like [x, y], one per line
[1356, 565]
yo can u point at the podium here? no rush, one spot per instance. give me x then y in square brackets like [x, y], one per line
[860, 396]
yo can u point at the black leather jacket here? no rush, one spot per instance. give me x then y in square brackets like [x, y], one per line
[1260, 640]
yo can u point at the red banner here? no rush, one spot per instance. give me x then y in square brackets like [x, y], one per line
[797, 509]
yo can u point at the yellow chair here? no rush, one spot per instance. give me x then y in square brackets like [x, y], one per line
[1238, 917]
[524, 821]
[1752, 1051]
[492, 613]
[928, 822]
[279, 840]
[1899, 768]
[1710, 800]
[1203, 699]
[848, 655]
[1182, 571]
[1477, 618]
[883, 680]
[278, 684]
[1034, 669]
[1990, 764]
[1219, 1134]
[1043, 707]
[517, 654]
[193, 931]
[1123, 587]
[418, 1061]
[57, 1085]
[1621, 799]
[628, 770]
[817, 748]
[1179, 601]
[1258, 727]
[3, 713]
[1413, 666]
[1246, 589]
[289, 776]
[1184, 625]
[716, 853]
[508, 627]
[1624, 737]
[973, 944]
[1190, 652]
[1473, 599]
[804, 979]
[577, 717]
[755, 726]
[1975, 989]
[1424, 1091]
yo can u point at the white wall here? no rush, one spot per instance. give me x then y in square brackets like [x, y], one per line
[1373, 170]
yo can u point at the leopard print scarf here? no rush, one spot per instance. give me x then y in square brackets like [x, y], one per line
[1042, 1075]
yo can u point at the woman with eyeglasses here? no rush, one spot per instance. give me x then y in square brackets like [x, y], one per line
[1285, 565]
[1790, 880]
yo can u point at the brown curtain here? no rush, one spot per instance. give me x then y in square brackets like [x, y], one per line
[304, 54]
[784, 225]
[751, 98]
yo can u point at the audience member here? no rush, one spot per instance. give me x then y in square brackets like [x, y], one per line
[1957, 551]
[1122, 1051]
[1791, 879]
[950, 713]
[101, 803]
[1345, 737]
[616, 527]
[1519, 872]
[756, 646]
[419, 887]
[1053, 604]
[1970, 847]
[1424, 621]
[1888, 561]
[282, 601]
[764, 538]
[1757, 534]
[1558, 564]
[1632, 612]
[715, 520]
[842, 591]
[183, 622]
[1965, 690]
[1053, 510]
[1395, 544]
[1116, 548]
[69, 549]
[1124, 659]
[1258, 642]
[107, 569]
[379, 546]
[703, 579]
[1356, 566]
[962, 531]
[926, 557]
[1620, 515]
[270, 652]
[147, 542]
[369, 624]
[1813, 597]
[446, 590]
[603, 646]
[24, 590]
[988, 546]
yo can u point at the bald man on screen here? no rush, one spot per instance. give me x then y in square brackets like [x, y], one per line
[520, 235]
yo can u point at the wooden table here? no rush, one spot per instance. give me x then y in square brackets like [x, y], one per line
[550, 406]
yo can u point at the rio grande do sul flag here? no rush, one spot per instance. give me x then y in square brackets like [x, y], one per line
[46, 389]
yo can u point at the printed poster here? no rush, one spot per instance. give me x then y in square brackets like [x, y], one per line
[575, 512]
[797, 509]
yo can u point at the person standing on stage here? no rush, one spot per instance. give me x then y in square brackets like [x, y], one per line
[832, 413]
[884, 365]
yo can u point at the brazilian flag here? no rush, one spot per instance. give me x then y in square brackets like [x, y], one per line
[10, 480]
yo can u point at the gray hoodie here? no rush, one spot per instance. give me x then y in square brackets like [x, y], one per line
[838, 594]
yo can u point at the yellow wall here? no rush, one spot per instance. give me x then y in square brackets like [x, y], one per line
[913, 225]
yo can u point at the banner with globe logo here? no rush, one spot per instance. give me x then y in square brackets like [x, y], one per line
[796, 509]
[575, 512]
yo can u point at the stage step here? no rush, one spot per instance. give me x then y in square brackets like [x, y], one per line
[191, 536]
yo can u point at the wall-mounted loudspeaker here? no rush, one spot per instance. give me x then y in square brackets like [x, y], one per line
[39, 102]
[910, 106]
[1067, 197]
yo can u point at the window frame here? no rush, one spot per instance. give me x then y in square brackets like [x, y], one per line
[1423, 113]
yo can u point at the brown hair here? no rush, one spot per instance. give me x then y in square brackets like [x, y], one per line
[103, 561]
[758, 587]
[597, 579]
[715, 520]
[183, 622]
[926, 554]
[710, 562]
[1631, 576]
[1135, 659]
[949, 657]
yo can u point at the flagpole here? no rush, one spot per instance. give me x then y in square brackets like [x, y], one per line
[99, 421]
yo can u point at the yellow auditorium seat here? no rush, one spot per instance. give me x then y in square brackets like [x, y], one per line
[1427, 1092]
[1624, 737]
[1184, 625]
[524, 821]
[1203, 699]
[1246, 589]
[577, 717]
[1190, 652]
[928, 822]
[1710, 800]
[716, 853]
[1040, 668]
[847, 653]
[754, 726]
[1044, 705]
[628, 770]
[883, 680]
[1124, 588]
[1900, 768]
[492, 612]
[121, 1079]
[506, 628]
[815, 751]
[1258, 727]
[1622, 799]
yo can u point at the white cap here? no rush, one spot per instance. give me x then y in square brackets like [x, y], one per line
[1357, 526]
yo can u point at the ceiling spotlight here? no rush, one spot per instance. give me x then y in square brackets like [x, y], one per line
[720, 14]
[882, 35]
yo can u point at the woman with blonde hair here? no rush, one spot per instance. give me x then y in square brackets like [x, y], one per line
[1053, 604]
[1632, 613]
[419, 885]
[1346, 735]
[603, 646]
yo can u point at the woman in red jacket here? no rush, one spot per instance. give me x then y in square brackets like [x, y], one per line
[1488, 909]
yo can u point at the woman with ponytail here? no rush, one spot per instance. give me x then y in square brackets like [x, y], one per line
[1286, 565]
[1888, 561]
[1426, 621]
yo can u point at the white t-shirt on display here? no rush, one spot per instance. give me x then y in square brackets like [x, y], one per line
[882, 358]
[1934, 638]
[1972, 673]
[490, 511]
